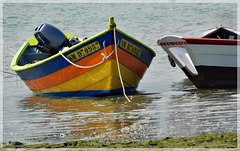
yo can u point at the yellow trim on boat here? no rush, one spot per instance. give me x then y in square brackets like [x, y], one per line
[104, 77]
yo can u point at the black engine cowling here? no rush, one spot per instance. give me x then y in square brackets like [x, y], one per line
[50, 39]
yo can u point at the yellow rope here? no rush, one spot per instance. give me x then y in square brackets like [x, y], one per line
[119, 72]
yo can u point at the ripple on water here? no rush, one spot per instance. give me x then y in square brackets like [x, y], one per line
[167, 104]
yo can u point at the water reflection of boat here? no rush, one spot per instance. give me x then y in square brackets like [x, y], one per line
[70, 66]
[210, 61]
[81, 118]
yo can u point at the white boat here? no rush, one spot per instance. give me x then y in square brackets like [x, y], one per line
[209, 61]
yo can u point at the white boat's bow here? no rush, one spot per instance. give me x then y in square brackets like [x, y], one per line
[179, 51]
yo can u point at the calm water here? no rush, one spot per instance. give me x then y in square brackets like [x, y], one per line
[166, 105]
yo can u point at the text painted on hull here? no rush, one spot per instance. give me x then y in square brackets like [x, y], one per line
[130, 47]
[76, 55]
[173, 43]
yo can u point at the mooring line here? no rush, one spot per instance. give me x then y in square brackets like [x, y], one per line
[8, 47]
[8, 72]
[105, 57]
[118, 66]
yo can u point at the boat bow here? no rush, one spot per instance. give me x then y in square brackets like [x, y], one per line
[179, 51]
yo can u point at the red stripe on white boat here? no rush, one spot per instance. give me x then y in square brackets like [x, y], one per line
[211, 41]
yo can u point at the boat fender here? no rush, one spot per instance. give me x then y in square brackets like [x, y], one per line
[171, 61]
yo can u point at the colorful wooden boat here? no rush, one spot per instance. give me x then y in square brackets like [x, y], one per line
[209, 61]
[67, 66]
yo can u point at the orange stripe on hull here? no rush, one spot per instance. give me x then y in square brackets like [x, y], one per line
[71, 71]
[132, 62]
[103, 78]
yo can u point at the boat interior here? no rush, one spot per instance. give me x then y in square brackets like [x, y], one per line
[222, 33]
[31, 55]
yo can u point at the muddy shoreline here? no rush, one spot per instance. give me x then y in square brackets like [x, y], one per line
[222, 140]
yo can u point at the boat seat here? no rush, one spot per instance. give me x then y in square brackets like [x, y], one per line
[33, 57]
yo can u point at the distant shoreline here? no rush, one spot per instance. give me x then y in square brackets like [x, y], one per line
[222, 140]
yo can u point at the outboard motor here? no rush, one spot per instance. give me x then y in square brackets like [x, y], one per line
[51, 40]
